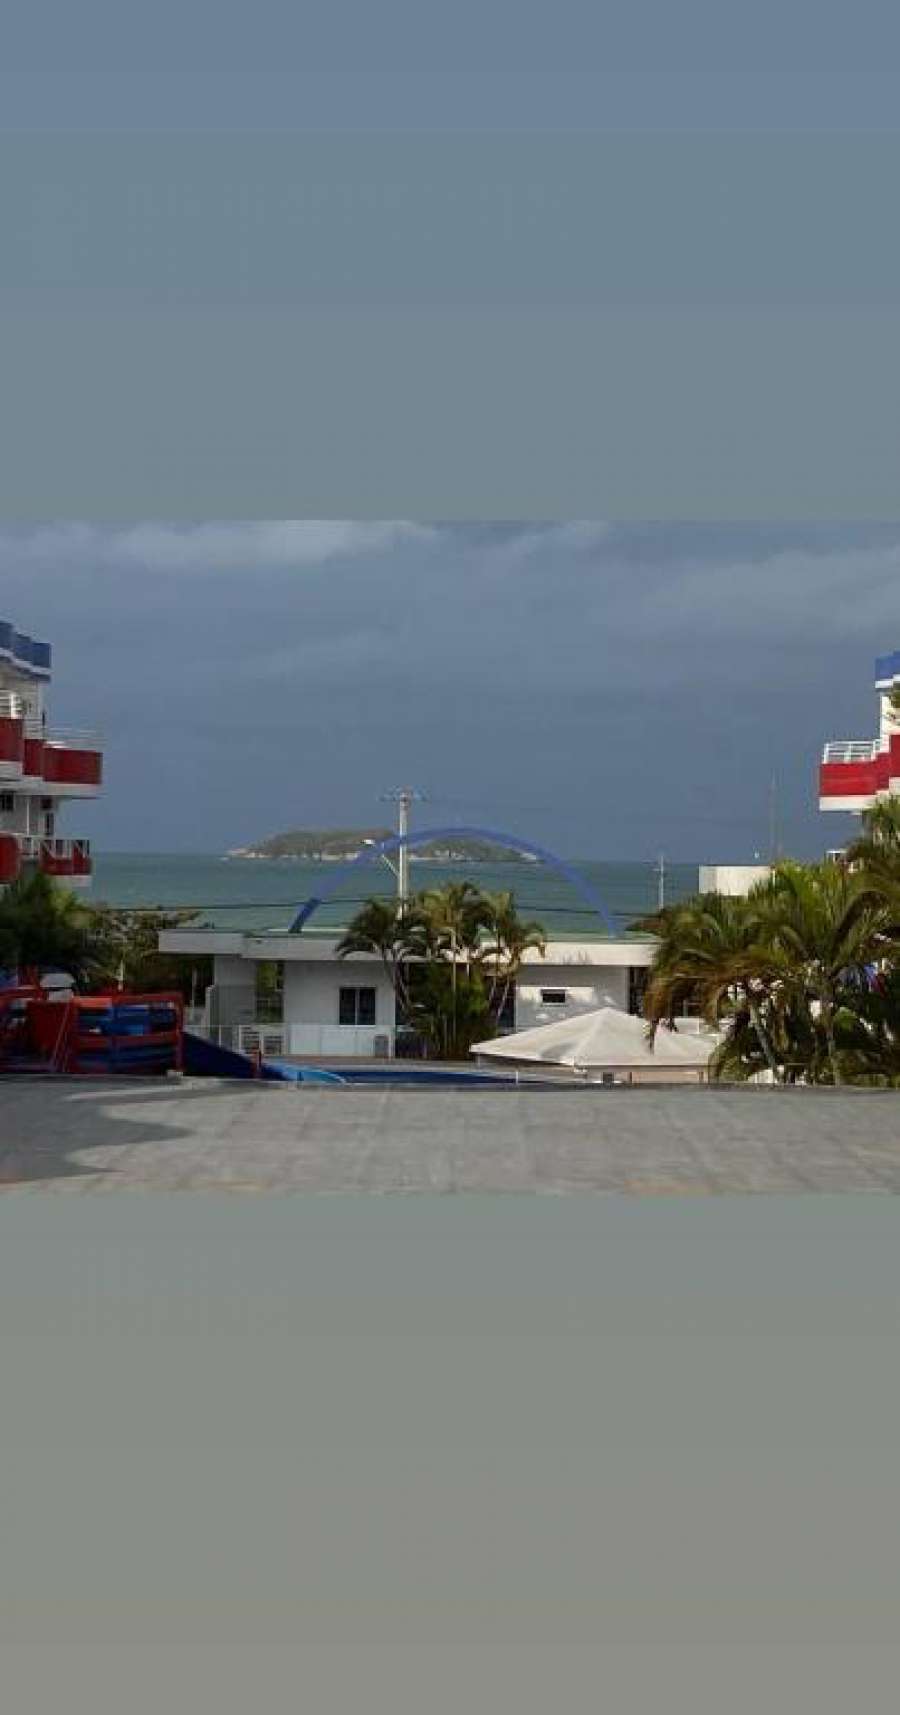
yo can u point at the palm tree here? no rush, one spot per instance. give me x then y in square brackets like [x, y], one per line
[509, 938]
[382, 927]
[45, 926]
[452, 953]
[869, 1031]
[875, 856]
[711, 952]
[829, 931]
[452, 917]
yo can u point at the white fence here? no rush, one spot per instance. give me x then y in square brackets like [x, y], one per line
[318, 1041]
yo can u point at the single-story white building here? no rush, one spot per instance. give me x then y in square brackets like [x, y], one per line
[326, 1007]
[332, 1007]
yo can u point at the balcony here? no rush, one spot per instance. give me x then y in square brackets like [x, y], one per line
[855, 772]
[68, 860]
[12, 743]
[57, 762]
[71, 763]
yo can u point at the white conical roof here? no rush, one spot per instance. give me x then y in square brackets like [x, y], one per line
[606, 1039]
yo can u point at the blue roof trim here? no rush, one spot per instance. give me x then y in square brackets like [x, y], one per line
[887, 667]
[25, 651]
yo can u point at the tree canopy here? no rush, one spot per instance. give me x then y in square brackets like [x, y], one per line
[452, 954]
[800, 977]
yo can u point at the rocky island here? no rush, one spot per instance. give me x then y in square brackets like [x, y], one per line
[339, 845]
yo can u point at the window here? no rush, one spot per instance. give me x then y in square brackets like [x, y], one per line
[7, 803]
[269, 992]
[553, 997]
[637, 984]
[356, 1006]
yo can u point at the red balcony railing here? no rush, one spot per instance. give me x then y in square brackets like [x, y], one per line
[12, 747]
[55, 857]
[72, 762]
[67, 760]
[854, 771]
[10, 859]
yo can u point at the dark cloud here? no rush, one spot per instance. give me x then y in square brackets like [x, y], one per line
[639, 684]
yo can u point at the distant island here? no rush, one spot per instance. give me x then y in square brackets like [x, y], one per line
[339, 845]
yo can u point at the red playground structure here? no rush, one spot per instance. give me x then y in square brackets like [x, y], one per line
[99, 1035]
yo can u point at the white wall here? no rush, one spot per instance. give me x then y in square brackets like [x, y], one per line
[340, 1041]
[586, 986]
[232, 997]
[311, 1008]
[593, 974]
[311, 991]
[733, 880]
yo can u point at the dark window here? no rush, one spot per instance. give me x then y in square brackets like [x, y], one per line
[553, 997]
[356, 1006]
[637, 983]
[7, 803]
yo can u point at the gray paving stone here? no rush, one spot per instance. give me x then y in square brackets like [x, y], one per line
[77, 1136]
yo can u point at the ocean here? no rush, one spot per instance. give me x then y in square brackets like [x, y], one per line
[250, 894]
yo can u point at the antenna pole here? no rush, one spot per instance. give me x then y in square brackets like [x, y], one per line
[404, 803]
[404, 798]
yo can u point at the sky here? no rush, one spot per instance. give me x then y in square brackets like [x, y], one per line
[609, 690]
[489, 64]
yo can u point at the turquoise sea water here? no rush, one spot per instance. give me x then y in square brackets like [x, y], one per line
[250, 894]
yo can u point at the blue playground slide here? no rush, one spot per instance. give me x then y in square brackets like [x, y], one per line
[207, 1060]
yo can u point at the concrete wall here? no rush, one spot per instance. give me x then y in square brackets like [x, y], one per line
[586, 986]
[311, 991]
[732, 879]
[311, 1008]
[340, 1041]
[232, 997]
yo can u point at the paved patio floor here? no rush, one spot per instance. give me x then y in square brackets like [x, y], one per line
[74, 1135]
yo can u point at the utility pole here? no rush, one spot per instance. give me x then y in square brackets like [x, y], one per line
[773, 820]
[404, 797]
[661, 882]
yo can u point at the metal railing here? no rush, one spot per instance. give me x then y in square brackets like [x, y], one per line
[852, 750]
[269, 1040]
[14, 708]
[35, 848]
[71, 738]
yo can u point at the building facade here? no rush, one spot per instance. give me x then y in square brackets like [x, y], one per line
[330, 1007]
[855, 773]
[41, 767]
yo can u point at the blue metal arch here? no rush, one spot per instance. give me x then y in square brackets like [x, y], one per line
[426, 836]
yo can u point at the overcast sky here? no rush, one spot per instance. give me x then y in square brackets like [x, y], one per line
[609, 690]
[484, 63]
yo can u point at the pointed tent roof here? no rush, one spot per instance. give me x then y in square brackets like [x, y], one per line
[606, 1039]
